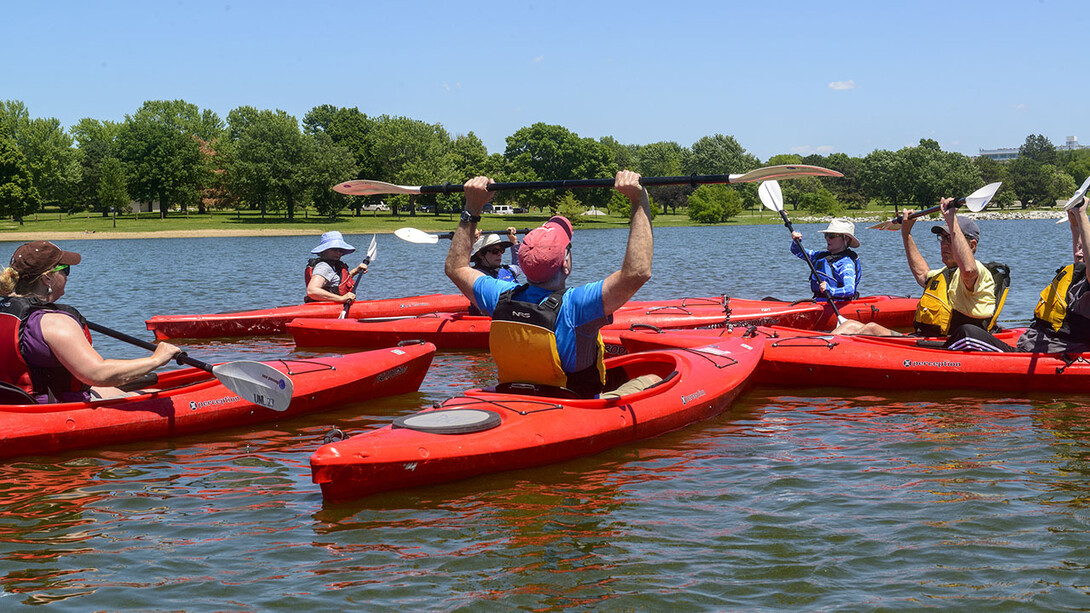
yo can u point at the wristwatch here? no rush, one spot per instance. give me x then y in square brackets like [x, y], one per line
[468, 217]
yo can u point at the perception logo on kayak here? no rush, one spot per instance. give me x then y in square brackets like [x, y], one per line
[942, 364]
[194, 405]
[693, 396]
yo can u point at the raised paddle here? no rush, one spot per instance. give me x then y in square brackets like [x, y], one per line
[772, 198]
[372, 249]
[1076, 200]
[421, 237]
[975, 202]
[259, 383]
[365, 187]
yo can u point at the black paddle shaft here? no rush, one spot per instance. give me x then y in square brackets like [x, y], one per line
[809, 262]
[901, 217]
[691, 180]
[181, 358]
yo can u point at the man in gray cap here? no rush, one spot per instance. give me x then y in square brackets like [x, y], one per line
[963, 291]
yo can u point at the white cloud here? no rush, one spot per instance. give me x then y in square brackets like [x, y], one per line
[450, 88]
[1018, 107]
[805, 150]
[842, 85]
[539, 59]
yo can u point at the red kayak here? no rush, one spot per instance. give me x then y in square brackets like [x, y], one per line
[272, 321]
[191, 400]
[794, 357]
[487, 431]
[461, 331]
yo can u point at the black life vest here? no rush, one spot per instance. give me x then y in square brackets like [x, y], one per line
[339, 267]
[522, 339]
[14, 370]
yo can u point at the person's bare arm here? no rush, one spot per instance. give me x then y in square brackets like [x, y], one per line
[315, 291]
[1080, 230]
[457, 265]
[916, 263]
[620, 286]
[959, 246]
[65, 338]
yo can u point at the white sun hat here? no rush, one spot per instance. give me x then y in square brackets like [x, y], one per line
[842, 226]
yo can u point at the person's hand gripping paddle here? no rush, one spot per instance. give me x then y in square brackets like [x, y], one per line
[372, 249]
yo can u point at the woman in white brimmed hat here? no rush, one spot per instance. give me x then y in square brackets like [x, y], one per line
[838, 267]
[487, 256]
[328, 279]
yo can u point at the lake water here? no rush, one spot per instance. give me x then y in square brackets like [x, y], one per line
[803, 499]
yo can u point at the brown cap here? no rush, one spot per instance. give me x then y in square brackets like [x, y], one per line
[37, 257]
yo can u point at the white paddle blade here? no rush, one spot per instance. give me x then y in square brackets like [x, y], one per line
[372, 250]
[419, 237]
[365, 187]
[256, 382]
[979, 199]
[1079, 195]
[785, 171]
[771, 195]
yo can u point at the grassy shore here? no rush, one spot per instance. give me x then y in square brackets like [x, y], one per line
[52, 225]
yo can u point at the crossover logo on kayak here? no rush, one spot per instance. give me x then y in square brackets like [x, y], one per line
[942, 364]
[194, 405]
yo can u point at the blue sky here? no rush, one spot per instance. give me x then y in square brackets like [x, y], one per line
[781, 77]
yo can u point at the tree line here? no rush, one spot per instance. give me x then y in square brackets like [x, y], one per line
[185, 158]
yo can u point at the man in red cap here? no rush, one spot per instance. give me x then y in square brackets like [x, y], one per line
[543, 332]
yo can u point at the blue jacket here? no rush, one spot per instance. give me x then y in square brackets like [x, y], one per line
[841, 272]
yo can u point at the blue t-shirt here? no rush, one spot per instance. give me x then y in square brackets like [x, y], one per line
[581, 315]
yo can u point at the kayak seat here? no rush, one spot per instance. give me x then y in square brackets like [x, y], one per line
[637, 384]
[11, 394]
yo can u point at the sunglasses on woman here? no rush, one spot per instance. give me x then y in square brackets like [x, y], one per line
[495, 250]
[61, 268]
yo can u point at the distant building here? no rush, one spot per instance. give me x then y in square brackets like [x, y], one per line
[1006, 155]
[999, 155]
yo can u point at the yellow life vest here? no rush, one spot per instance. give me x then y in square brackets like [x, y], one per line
[522, 340]
[936, 317]
[1052, 308]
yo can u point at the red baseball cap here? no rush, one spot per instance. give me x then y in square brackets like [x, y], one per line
[37, 257]
[543, 250]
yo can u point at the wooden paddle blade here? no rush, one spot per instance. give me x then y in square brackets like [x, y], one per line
[885, 225]
[786, 171]
[364, 187]
[256, 382]
[419, 237]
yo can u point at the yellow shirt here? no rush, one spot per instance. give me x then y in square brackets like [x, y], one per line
[978, 303]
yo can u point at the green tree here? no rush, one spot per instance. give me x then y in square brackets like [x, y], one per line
[97, 141]
[569, 206]
[714, 204]
[413, 152]
[1031, 181]
[348, 128]
[550, 152]
[269, 163]
[330, 165]
[111, 193]
[1039, 149]
[162, 162]
[992, 171]
[718, 155]
[821, 202]
[624, 156]
[18, 196]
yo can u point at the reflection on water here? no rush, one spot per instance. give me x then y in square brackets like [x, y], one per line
[814, 499]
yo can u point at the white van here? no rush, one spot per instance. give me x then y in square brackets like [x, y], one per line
[502, 209]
